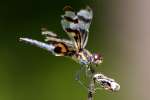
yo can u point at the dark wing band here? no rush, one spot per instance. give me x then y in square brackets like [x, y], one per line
[62, 47]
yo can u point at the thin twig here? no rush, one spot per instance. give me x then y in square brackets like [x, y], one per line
[91, 88]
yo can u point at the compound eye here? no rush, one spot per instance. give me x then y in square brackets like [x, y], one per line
[97, 58]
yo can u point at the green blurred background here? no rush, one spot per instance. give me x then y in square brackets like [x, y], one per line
[117, 32]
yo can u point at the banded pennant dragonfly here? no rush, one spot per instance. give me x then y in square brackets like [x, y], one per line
[76, 25]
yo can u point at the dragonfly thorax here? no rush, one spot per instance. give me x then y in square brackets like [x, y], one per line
[85, 57]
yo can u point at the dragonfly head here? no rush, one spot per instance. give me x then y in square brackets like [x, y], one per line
[97, 58]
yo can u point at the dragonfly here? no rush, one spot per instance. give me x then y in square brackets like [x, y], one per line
[76, 25]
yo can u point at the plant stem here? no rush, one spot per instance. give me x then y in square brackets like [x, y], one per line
[91, 88]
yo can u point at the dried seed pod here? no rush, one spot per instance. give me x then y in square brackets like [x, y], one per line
[106, 83]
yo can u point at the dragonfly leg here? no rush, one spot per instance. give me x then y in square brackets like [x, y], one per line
[77, 77]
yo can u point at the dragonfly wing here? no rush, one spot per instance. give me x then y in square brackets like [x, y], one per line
[77, 25]
[70, 26]
[56, 48]
[84, 20]
[52, 37]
